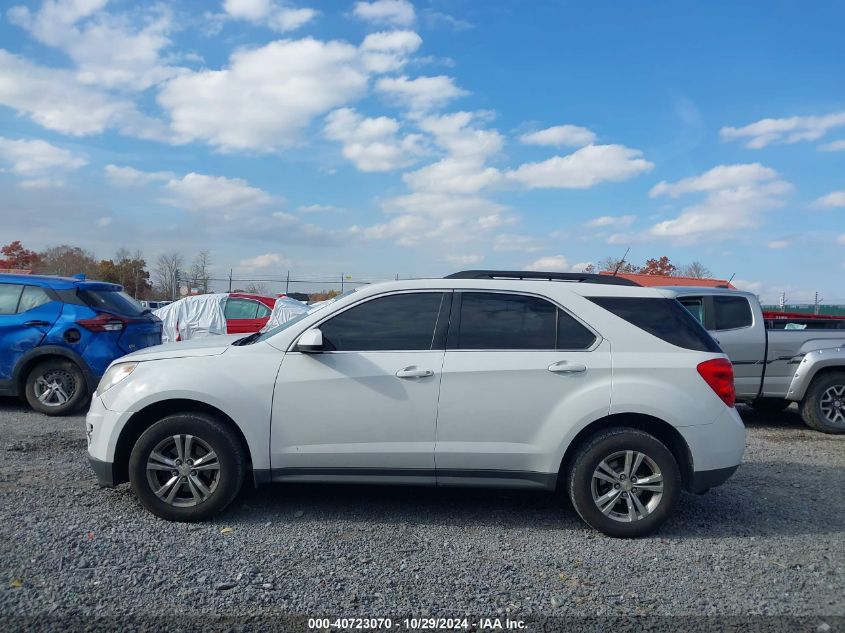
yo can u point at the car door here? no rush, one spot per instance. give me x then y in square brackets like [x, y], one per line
[365, 408]
[241, 315]
[27, 313]
[518, 374]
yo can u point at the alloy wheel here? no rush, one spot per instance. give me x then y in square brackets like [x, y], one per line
[832, 404]
[55, 387]
[627, 486]
[183, 470]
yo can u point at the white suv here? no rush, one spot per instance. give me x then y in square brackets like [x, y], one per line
[583, 383]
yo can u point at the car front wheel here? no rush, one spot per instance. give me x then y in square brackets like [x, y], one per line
[624, 482]
[187, 467]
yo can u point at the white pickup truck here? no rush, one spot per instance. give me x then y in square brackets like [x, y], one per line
[775, 362]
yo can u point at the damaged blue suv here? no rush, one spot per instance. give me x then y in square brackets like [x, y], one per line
[58, 336]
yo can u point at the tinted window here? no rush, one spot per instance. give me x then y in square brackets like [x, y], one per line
[240, 309]
[731, 312]
[695, 305]
[115, 301]
[32, 297]
[503, 321]
[666, 319]
[571, 334]
[397, 322]
[9, 295]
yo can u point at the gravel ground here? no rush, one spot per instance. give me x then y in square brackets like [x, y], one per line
[769, 542]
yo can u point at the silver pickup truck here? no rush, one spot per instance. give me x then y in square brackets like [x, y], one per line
[775, 363]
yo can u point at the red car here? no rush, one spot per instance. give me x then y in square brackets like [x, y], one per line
[246, 313]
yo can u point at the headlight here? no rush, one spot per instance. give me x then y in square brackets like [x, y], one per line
[114, 375]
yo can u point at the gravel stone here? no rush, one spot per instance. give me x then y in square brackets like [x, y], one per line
[759, 545]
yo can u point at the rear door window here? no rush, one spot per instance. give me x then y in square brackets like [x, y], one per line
[240, 309]
[9, 296]
[731, 313]
[666, 319]
[503, 321]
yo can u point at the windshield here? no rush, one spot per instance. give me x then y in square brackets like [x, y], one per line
[279, 328]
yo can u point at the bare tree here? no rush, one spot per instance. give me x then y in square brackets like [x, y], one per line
[257, 288]
[695, 269]
[166, 274]
[200, 271]
[611, 263]
[121, 257]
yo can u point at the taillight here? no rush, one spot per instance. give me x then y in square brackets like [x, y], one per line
[719, 374]
[103, 322]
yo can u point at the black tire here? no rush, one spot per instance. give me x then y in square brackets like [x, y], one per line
[600, 447]
[770, 406]
[207, 430]
[63, 373]
[812, 406]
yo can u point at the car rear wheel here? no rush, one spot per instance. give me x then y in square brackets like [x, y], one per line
[823, 408]
[56, 387]
[624, 482]
[187, 467]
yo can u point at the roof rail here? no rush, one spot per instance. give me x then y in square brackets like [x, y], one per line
[530, 274]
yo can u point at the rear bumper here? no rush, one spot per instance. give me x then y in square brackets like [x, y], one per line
[704, 480]
[104, 472]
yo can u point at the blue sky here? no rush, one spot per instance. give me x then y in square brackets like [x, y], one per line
[390, 137]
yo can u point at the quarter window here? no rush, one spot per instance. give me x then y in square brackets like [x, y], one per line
[695, 305]
[397, 322]
[731, 312]
[32, 297]
[9, 295]
[513, 322]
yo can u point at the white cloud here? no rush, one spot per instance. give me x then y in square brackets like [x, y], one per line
[278, 18]
[458, 134]
[833, 146]
[268, 260]
[319, 208]
[735, 196]
[420, 94]
[510, 242]
[789, 130]
[559, 135]
[454, 175]
[131, 177]
[464, 260]
[372, 144]
[831, 200]
[228, 197]
[778, 244]
[266, 96]
[104, 221]
[396, 12]
[389, 50]
[83, 30]
[583, 168]
[552, 263]
[38, 163]
[749, 286]
[581, 267]
[611, 220]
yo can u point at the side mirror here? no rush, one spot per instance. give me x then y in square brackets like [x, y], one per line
[311, 342]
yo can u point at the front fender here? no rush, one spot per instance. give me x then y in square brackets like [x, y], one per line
[811, 365]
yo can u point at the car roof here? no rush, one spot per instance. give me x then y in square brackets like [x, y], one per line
[58, 283]
[543, 286]
[677, 291]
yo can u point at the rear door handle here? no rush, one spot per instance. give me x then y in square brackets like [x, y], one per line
[413, 372]
[37, 323]
[565, 367]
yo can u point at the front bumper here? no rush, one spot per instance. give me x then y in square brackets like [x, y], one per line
[104, 472]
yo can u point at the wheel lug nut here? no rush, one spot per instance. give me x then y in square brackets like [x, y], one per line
[634, 489]
[616, 486]
[193, 473]
[174, 473]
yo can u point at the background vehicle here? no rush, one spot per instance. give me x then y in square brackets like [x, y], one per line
[154, 305]
[58, 335]
[246, 313]
[777, 360]
[608, 391]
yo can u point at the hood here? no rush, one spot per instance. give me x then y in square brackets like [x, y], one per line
[208, 346]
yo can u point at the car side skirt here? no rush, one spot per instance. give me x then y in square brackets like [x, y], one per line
[412, 477]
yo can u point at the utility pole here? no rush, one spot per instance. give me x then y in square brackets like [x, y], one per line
[287, 283]
[817, 304]
[783, 302]
[230, 280]
[341, 283]
[175, 284]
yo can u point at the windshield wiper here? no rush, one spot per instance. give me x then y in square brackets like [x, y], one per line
[247, 339]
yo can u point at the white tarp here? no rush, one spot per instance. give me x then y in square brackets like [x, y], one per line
[284, 310]
[193, 317]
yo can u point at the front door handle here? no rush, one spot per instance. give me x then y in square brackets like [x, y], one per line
[37, 323]
[414, 372]
[565, 367]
